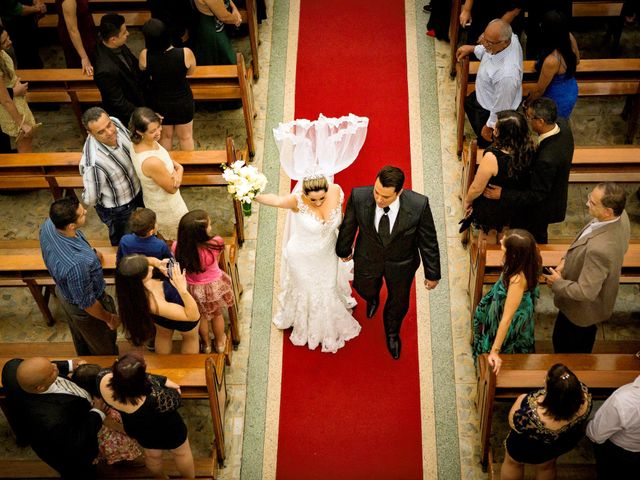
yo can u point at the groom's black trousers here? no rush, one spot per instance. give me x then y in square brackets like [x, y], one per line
[368, 286]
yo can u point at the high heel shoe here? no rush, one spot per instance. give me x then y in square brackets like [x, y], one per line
[222, 346]
[205, 347]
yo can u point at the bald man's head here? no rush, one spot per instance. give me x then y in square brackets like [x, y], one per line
[497, 36]
[35, 375]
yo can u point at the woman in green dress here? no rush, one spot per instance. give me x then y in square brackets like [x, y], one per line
[503, 321]
[211, 43]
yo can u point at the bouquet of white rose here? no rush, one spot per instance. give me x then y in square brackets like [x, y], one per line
[245, 182]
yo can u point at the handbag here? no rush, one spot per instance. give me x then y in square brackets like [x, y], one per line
[465, 223]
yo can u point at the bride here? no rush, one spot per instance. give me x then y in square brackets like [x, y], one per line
[315, 296]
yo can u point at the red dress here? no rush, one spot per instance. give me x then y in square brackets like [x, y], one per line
[87, 29]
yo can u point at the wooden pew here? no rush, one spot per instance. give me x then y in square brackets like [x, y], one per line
[584, 8]
[136, 14]
[200, 376]
[22, 265]
[208, 83]
[59, 173]
[595, 78]
[620, 163]
[522, 373]
[486, 265]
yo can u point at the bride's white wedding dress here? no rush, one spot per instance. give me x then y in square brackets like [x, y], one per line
[315, 297]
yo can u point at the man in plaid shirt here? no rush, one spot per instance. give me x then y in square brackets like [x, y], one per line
[110, 181]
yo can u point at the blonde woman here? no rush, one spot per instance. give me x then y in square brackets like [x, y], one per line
[16, 119]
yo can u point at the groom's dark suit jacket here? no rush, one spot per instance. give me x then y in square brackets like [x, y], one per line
[60, 428]
[413, 236]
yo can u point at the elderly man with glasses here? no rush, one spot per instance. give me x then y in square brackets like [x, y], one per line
[499, 78]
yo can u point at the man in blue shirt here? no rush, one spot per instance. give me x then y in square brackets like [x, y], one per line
[80, 287]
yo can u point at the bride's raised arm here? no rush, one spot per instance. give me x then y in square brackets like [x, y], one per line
[280, 201]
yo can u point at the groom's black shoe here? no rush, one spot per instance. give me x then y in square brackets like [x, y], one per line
[372, 307]
[394, 345]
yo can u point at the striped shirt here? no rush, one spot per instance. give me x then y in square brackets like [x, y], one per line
[107, 173]
[73, 264]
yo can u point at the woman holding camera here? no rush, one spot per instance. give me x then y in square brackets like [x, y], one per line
[144, 300]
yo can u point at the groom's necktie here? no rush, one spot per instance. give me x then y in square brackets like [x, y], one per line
[384, 231]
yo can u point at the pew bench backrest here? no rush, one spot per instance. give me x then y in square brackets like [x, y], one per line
[208, 83]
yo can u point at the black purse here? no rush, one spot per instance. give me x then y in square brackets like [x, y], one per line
[465, 223]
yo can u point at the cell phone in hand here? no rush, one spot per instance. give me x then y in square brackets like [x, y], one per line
[170, 265]
[547, 271]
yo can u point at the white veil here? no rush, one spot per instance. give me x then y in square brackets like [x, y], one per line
[325, 145]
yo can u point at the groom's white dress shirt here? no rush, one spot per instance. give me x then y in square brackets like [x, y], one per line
[393, 214]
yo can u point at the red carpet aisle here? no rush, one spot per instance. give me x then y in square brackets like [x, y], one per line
[355, 414]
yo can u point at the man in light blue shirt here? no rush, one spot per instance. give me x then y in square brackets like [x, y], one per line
[498, 84]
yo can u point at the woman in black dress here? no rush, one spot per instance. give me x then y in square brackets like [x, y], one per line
[506, 163]
[170, 93]
[149, 408]
[545, 424]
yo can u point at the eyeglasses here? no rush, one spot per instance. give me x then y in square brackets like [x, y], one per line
[484, 39]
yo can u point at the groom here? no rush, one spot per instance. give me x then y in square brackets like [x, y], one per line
[393, 225]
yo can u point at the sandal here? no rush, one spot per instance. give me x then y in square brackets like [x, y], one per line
[221, 347]
[205, 347]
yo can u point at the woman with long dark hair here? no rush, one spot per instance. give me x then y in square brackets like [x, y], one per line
[557, 64]
[503, 320]
[197, 250]
[149, 406]
[171, 95]
[144, 301]
[506, 163]
[545, 424]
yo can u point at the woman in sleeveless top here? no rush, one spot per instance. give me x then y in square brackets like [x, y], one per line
[545, 424]
[77, 33]
[557, 64]
[211, 43]
[503, 321]
[149, 406]
[171, 95]
[164, 304]
[506, 163]
[159, 175]
[16, 119]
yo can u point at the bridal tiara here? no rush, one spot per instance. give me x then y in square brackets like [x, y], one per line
[313, 176]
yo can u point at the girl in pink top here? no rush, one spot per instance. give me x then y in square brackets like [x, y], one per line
[197, 251]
